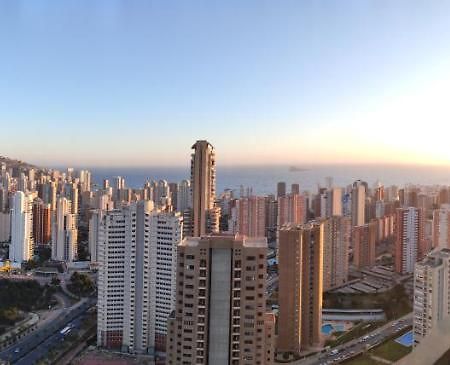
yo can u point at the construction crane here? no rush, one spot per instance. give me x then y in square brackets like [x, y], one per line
[6, 266]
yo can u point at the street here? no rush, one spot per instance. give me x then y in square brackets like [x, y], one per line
[38, 343]
[352, 348]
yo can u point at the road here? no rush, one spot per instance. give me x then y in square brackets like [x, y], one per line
[37, 344]
[350, 349]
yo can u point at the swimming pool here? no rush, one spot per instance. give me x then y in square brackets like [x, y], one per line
[406, 340]
[327, 329]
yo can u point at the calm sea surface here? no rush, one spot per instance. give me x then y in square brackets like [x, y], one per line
[263, 179]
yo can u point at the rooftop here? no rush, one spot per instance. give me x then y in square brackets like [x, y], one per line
[221, 238]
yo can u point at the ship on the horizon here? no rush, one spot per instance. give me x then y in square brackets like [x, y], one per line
[296, 169]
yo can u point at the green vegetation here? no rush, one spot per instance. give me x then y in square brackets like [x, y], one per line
[80, 284]
[391, 351]
[9, 316]
[357, 331]
[55, 281]
[394, 302]
[363, 359]
[42, 257]
[22, 296]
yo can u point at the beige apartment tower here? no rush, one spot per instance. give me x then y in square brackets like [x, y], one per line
[251, 216]
[300, 286]
[336, 244]
[205, 214]
[364, 241]
[358, 203]
[220, 316]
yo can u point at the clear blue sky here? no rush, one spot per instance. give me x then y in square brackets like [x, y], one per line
[123, 82]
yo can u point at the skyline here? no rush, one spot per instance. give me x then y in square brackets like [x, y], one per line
[296, 83]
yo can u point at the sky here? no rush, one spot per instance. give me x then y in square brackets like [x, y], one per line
[135, 83]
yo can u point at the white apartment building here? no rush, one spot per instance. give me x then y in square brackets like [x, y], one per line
[431, 292]
[137, 249]
[64, 232]
[21, 248]
[184, 196]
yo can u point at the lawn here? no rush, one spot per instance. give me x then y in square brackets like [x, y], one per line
[394, 302]
[362, 360]
[357, 331]
[391, 350]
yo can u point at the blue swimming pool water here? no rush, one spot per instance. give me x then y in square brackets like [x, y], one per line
[406, 340]
[327, 329]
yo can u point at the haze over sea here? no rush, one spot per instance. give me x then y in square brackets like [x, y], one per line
[263, 179]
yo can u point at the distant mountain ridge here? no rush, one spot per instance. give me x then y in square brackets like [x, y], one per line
[13, 163]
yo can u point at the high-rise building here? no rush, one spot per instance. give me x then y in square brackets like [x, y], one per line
[173, 191]
[71, 193]
[334, 202]
[281, 189]
[358, 203]
[48, 194]
[162, 193]
[431, 292]
[251, 216]
[42, 234]
[94, 233]
[137, 276]
[409, 239]
[444, 196]
[21, 247]
[271, 218]
[205, 213]
[85, 180]
[5, 227]
[184, 197]
[64, 232]
[441, 227]
[300, 266]
[220, 314]
[363, 241]
[336, 244]
[3, 198]
[291, 209]
[379, 193]
[295, 188]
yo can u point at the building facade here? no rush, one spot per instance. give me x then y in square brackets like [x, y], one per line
[431, 292]
[409, 239]
[64, 232]
[220, 317]
[336, 245]
[251, 216]
[137, 249]
[300, 289]
[205, 214]
[358, 199]
[22, 245]
[42, 222]
[363, 242]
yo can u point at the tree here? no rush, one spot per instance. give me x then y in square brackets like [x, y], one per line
[81, 284]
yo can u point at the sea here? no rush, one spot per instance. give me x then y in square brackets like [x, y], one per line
[263, 179]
